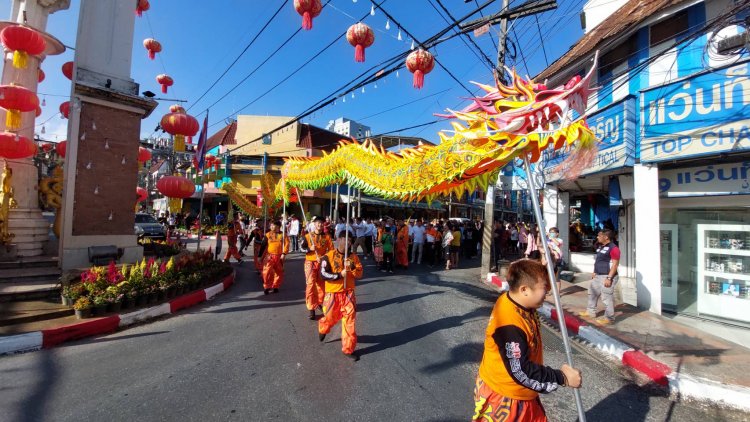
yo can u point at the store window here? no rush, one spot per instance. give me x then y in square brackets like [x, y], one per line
[706, 262]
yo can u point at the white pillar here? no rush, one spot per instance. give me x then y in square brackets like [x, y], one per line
[26, 222]
[557, 214]
[647, 251]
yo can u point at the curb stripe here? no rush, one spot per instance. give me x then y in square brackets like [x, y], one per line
[19, 343]
[603, 342]
[187, 300]
[144, 314]
[657, 371]
[214, 290]
[55, 336]
[573, 323]
[704, 389]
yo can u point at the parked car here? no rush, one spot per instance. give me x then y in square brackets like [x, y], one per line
[459, 220]
[147, 226]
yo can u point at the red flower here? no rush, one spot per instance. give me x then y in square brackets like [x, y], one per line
[163, 267]
[113, 274]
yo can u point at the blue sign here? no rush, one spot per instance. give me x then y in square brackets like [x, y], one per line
[702, 115]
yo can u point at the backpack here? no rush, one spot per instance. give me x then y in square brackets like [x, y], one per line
[387, 241]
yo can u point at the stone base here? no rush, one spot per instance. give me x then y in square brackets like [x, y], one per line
[31, 231]
[9, 252]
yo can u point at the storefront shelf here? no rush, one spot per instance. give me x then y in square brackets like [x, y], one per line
[734, 276]
[742, 252]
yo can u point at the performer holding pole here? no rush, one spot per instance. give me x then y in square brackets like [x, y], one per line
[314, 244]
[273, 249]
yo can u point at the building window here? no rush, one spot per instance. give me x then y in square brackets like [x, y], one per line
[617, 56]
[672, 27]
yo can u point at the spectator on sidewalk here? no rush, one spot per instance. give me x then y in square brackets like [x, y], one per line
[293, 233]
[430, 239]
[386, 239]
[447, 244]
[512, 372]
[360, 231]
[417, 238]
[555, 248]
[605, 278]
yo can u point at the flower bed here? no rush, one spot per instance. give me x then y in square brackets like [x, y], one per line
[111, 289]
[161, 248]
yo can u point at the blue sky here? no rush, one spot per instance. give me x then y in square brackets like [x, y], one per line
[201, 38]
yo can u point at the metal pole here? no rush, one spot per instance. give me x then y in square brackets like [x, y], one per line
[551, 275]
[302, 207]
[200, 214]
[346, 241]
[336, 207]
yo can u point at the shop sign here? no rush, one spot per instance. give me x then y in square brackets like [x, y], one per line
[702, 115]
[614, 127]
[719, 179]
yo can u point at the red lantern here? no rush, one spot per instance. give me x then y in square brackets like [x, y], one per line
[143, 155]
[65, 109]
[176, 108]
[47, 147]
[16, 99]
[61, 148]
[40, 75]
[420, 63]
[176, 187]
[15, 146]
[360, 36]
[179, 125]
[141, 194]
[152, 46]
[38, 111]
[309, 9]
[142, 6]
[23, 41]
[165, 81]
[67, 70]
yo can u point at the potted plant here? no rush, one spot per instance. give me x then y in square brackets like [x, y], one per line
[82, 307]
[100, 304]
[71, 293]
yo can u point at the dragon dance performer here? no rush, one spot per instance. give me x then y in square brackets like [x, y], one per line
[512, 372]
[256, 236]
[315, 245]
[233, 232]
[340, 302]
[273, 252]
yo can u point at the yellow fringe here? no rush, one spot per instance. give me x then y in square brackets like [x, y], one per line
[12, 119]
[179, 143]
[20, 58]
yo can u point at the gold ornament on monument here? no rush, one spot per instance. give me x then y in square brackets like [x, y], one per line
[50, 193]
[7, 202]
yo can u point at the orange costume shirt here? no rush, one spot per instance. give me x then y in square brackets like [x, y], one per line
[331, 267]
[322, 242]
[512, 363]
[273, 244]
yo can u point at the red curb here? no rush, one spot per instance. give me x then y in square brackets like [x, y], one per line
[228, 280]
[571, 322]
[657, 371]
[54, 336]
[187, 301]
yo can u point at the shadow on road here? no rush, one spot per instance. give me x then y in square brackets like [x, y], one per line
[253, 307]
[628, 404]
[127, 337]
[33, 407]
[386, 341]
[363, 307]
[463, 353]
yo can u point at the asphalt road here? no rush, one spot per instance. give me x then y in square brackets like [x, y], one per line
[245, 356]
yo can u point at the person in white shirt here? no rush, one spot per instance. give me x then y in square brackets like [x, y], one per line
[293, 233]
[340, 227]
[360, 230]
[417, 237]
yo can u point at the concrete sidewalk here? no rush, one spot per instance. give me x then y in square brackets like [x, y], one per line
[688, 361]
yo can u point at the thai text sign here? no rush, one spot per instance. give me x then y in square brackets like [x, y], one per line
[614, 127]
[703, 115]
[720, 179]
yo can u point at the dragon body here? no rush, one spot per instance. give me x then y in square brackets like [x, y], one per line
[521, 119]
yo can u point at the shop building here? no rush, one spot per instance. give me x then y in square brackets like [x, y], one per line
[671, 176]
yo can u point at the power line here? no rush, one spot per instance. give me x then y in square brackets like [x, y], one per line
[268, 22]
[479, 53]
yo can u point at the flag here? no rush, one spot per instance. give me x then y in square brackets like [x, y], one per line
[200, 150]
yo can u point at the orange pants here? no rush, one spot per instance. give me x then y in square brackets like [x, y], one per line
[273, 271]
[233, 252]
[490, 406]
[341, 306]
[258, 261]
[314, 285]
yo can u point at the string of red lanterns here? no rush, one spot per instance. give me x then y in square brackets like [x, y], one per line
[165, 81]
[309, 9]
[360, 36]
[23, 42]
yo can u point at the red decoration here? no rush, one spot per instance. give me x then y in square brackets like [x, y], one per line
[152, 46]
[420, 62]
[61, 148]
[143, 155]
[141, 194]
[179, 125]
[38, 111]
[23, 41]
[360, 36]
[309, 9]
[65, 109]
[259, 198]
[176, 108]
[67, 70]
[175, 187]
[15, 100]
[165, 81]
[40, 75]
[15, 146]
[142, 6]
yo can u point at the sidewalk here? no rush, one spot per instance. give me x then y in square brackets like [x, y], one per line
[690, 362]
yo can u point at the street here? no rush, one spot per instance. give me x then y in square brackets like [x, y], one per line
[246, 356]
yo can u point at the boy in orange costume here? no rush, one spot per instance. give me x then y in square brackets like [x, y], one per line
[233, 230]
[273, 253]
[339, 302]
[315, 245]
[512, 372]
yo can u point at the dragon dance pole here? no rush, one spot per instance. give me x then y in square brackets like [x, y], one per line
[346, 228]
[200, 215]
[302, 207]
[551, 275]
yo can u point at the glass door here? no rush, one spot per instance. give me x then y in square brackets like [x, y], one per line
[668, 241]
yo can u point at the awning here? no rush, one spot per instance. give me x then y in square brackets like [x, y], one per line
[436, 205]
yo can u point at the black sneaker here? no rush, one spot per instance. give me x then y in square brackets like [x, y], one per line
[266, 291]
[354, 356]
[275, 290]
[312, 314]
[321, 337]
